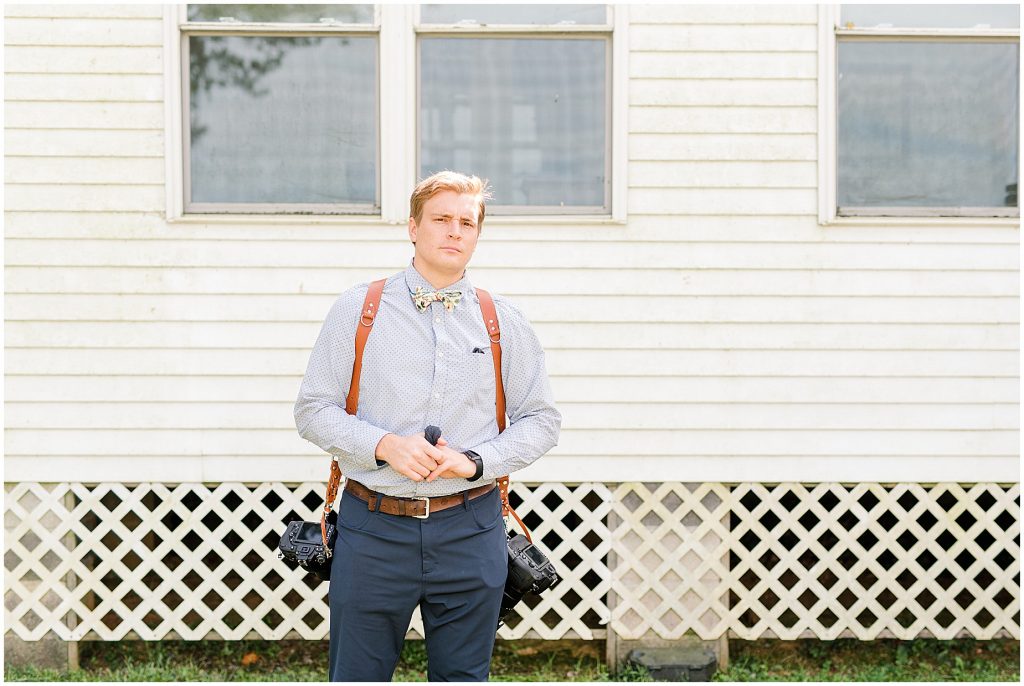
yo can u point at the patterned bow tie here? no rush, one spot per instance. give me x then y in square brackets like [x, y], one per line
[423, 298]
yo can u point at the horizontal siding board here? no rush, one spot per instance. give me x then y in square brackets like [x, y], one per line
[731, 201]
[556, 254]
[705, 120]
[723, 92]
[723, 65]
[515, 282]
[91, 31]
[84, 143]
[589, 363]
[723, 14]
[140, 443]
[85, 115]
[546, 308]
[104, 173]
[575, 415]
[564, 335]
[29, 59]
[722, 38]
[767, 231]
[650, 146]
[121, 11]
[608, 389]
[84, 87]
[86, 198]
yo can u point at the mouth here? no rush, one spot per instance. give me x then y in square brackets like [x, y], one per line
[451, 250]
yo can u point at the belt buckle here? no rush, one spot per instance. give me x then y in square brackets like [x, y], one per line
[425, 514]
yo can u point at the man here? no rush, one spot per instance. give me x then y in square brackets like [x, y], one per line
[427, 362]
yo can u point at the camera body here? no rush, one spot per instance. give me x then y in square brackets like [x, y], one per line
[302, 545]
[529, 571]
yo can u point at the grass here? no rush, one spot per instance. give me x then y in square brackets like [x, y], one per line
[534, 660]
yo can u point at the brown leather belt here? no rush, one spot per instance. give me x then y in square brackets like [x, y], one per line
[412, 507]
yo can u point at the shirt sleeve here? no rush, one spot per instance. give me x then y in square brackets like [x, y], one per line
[320, 415]
[534, 422]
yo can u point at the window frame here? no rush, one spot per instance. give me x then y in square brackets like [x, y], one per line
[398, 29]
[829, 35]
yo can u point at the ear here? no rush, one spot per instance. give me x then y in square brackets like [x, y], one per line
[412, 230]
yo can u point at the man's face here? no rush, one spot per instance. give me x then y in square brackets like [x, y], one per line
[447, 233]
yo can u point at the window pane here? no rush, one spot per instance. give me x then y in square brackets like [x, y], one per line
[287, 120]
[349, 14]
[932, 16]
[514, 14]
[928, 124]
[527, 114]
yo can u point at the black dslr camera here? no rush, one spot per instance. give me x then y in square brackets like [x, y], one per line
[529, 571]
[302, 545]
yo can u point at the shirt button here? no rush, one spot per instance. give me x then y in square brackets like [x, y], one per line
[437, 320]
[437, 395]
[440, 354]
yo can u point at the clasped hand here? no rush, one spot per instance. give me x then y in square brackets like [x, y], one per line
[414, 457]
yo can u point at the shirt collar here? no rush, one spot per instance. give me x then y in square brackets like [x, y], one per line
[416, 280]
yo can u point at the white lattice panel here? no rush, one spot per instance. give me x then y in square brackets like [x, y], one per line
[190, 561]
[825, 560]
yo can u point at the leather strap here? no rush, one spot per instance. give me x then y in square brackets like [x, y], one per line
[411, 507]
[494, 334]
[371, 305]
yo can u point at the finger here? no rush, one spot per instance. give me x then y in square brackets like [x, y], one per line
[441, 441]
[435, 454]
[426, 462]
[421, 469]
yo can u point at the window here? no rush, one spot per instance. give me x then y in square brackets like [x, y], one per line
[337, 110]
[528, 110]
[280, 110]
[927, 116]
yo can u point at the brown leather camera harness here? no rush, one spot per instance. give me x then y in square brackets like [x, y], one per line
[370, 307]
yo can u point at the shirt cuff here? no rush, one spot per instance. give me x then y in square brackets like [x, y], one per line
[365, 441]
[493, 464]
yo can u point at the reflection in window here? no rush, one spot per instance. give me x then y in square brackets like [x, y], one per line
[348, 14]
[283, 119]
[928, 124]
[931, 16]
[529, 115]
[514, 14]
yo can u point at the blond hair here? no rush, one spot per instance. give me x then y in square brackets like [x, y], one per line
[447, 180]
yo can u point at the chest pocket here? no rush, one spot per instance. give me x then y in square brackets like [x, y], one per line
[472, 377]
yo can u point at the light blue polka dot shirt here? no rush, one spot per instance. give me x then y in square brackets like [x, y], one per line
[420, 368]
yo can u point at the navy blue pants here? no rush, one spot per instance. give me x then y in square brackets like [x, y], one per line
[452, 565]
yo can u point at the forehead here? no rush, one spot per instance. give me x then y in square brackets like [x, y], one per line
[451, 203]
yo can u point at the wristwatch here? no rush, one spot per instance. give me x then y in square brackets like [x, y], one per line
[479, 465]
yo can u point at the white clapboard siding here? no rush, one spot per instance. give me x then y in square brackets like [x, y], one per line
[108, 174]
[539, 308]
[770, 230]
[584, 415]
[724, 65]
[82, 61]
[85, 87]
[71, 30]
[720, 329]
[653, 443]
[86, 115]
[554, 335]
[587, 363]
[317, 280]
[662, 255]
[662, 389]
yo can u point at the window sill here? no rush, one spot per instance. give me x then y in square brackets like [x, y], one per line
[936, 222]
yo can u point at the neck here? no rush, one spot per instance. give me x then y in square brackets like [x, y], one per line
[436, 279]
